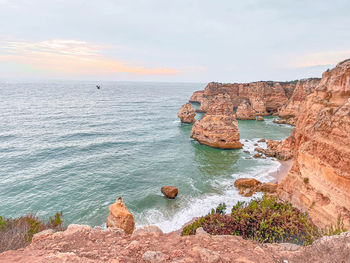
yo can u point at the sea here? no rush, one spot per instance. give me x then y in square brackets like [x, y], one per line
[66, 146]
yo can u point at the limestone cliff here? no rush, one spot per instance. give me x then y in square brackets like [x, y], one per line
[265, 97]
[290, 111]
[319, 180]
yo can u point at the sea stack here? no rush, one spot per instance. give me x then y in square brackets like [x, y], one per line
[186, 113]
[120, 217]
[218, 128]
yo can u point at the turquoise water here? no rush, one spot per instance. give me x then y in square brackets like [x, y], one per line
[69, 147]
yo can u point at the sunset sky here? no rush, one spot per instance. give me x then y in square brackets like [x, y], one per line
[179, 40]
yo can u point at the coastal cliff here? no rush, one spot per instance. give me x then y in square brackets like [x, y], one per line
[319, 180]
[290, 111]
[264, 97]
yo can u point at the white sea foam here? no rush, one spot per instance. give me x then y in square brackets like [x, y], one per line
[199, 206]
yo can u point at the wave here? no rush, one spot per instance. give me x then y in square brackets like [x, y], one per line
[199, 206]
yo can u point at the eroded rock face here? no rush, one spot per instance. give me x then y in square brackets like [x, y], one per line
[218, 128]
[319, 180]
[120, 217]
[169, 191]
[186, 113]
[290, 111]
[265, 97]
[245, 111]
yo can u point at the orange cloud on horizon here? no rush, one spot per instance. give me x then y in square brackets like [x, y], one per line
[71, 57]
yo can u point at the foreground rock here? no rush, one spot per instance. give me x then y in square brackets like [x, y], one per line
[248, 186]
[319, 180]
[120, 217]
[85, 245]
[169, 191]
[187, 113]
[218, 128]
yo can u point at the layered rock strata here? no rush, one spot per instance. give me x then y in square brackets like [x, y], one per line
[186, 113]
[265, 97]
[218, 128]
[290, 111]
[319, 180]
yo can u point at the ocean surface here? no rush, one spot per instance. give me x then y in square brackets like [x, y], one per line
[66, 146]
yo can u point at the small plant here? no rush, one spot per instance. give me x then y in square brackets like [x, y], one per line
[221, 209]
[335, 230]
[34, 225]
[2, 223]
[56, 221]
[306, 180]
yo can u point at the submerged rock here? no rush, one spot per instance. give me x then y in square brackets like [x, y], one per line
[120, 217]
[218, 128]
[187, 113]
[169, 191]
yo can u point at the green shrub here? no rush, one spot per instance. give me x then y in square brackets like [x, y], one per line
[2, 223]
[18, 232]
[264, 220]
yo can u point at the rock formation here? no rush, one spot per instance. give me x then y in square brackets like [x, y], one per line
[319, 180]
[282, 150]
[218, 128]
[187, 113]
[260, 118]
[265, 97]
[169, 191]
[248, 186]
[120, 217]
[290, 111]
[83, 244]
[245, 111]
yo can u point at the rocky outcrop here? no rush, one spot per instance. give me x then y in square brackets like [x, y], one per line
[245, 111]
[260, 118]
[282, 150]
[319, 180]
[290, 111]
[83, 244]
[187, 113]
[120, 217]
[169, 191]
[218, 128]
[265, 97]
[248, 186]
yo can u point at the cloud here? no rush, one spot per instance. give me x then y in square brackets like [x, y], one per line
[325, 58]
[71, 57]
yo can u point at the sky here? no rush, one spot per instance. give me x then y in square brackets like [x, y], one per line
[178, 40]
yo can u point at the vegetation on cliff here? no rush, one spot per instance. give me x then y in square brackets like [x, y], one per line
[264, 220]
[18, 232]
